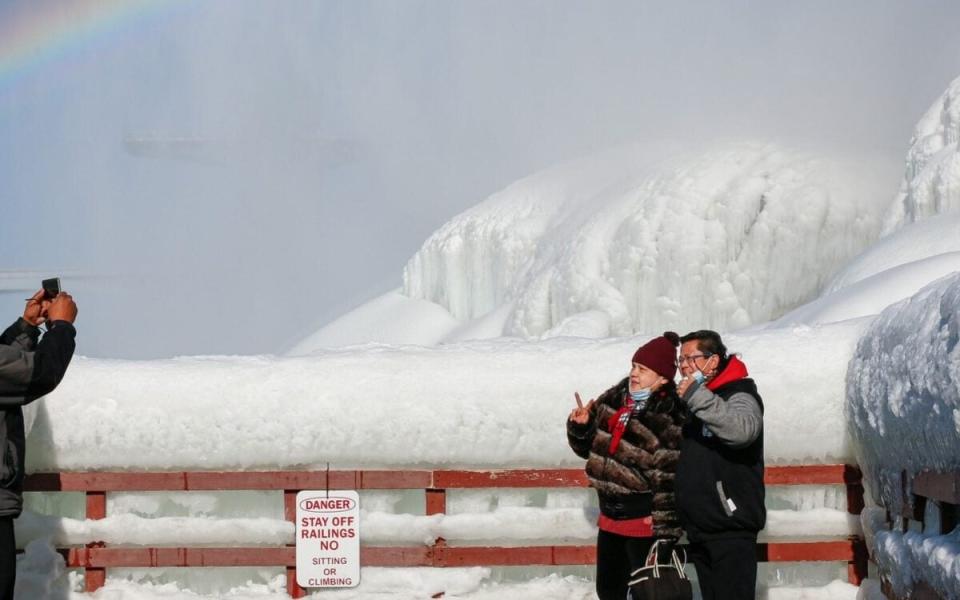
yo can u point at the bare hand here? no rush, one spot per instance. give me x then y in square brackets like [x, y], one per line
[581, 414]
[35, 311]
[684, 385]
[62, 308]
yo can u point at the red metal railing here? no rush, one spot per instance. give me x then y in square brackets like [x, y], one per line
[97, 557]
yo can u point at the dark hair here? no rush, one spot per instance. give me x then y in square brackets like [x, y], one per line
[708, 342]
[672, 337]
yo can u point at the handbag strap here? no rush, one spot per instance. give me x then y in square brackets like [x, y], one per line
[653, 559]
[654, 555]
[678, 564]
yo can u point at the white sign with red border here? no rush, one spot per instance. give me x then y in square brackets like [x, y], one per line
[328, 539]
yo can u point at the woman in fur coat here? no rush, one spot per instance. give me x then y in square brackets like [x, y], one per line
[630, 436]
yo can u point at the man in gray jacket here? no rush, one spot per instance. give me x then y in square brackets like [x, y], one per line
[30, 367]
[719, 482]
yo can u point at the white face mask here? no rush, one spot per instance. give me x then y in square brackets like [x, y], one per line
[640, 396]
[698, 376]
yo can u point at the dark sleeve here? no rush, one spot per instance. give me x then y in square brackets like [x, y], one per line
[51, 359]
[580, 437]
[21, 334]
[25, 376]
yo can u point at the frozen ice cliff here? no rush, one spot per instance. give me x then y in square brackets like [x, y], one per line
[621, 244]
[931, 183]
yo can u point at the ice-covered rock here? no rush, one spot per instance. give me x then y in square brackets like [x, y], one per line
[903, 390]
[931, 182]
[626, 242]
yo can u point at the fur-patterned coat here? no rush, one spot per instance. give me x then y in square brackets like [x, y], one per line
[644, 463]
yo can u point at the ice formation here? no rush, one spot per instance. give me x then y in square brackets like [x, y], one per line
[621, 244]
[903, 390]
[931, 183]
[903, 409]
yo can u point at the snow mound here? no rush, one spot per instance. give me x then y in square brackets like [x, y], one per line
[389, 319]
[623, 243]
[928, 238]
[931, 182]
[903, 390]
[500, 403]
[893, 269]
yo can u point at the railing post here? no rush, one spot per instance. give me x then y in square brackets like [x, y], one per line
[290, 514]
[857, 568]
[948, 517]
[95, 577]
[437, 505]
[436, 501]
[854, 481]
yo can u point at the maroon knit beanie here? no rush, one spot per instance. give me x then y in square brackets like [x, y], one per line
[660, 354]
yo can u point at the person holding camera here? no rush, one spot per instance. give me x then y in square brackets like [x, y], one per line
[630, 436]
[719, 483]
[30, 367]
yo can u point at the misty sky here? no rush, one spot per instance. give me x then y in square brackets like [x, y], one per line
[330, 138]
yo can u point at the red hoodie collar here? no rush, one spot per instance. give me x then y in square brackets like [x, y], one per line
[734, 371]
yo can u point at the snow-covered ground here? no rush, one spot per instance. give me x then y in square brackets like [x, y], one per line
[544, 289]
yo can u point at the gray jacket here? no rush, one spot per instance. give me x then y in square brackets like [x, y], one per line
[29, 368]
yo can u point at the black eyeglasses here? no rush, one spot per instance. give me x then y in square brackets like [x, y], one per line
[692, 358]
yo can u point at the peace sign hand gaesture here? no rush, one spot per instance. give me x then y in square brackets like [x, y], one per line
[581, 414]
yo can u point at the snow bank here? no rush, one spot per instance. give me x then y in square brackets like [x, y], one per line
[389, 319]
[481, 404]
[375, 583]
[903, 390]
[721, 239]
[935, 236]
[894, 268]
[931, 183]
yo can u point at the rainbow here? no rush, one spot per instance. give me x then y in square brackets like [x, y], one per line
[37, 33]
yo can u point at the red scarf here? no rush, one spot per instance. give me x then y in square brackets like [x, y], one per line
[617, 424]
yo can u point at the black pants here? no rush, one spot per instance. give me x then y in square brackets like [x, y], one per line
[8, 559]
[727, 569]
[617, 557]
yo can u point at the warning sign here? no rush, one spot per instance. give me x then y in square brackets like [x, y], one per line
[328, 539]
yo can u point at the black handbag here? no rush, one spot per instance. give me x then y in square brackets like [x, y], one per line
[656, 581]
